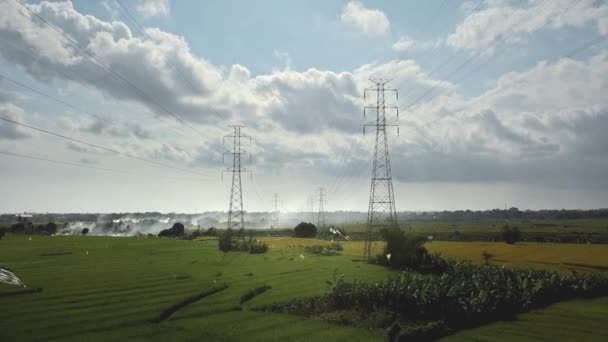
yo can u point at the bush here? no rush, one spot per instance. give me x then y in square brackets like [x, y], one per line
[407, 252]
[487, 256]
[225, 240]
[511, 235]
[332, 249]
[228, 242]
[177, 230]
[2, 232]
[463, 297]
[50, 228]
[305, 230]
[85, 231]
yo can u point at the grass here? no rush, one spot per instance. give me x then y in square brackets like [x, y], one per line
[556, 256]
[118, 290]
[578, 320]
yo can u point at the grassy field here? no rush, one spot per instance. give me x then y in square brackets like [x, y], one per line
[578, 320]
[116, 290]
[557, 256]
[102, 288]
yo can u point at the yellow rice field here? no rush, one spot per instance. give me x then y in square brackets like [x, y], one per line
[580, 257]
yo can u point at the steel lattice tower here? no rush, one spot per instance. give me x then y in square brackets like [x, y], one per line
[275, 213]
[321, 215]
[381, 212]
[236, 216]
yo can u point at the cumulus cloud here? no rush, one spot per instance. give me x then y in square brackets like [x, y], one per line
[404, 43]
[480, 28]
[543, 125]
[8, 130]
[372, 22]
[153, 8]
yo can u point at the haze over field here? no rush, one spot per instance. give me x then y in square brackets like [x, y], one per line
[516, 125]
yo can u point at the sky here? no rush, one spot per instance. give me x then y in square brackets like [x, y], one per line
[501, 102]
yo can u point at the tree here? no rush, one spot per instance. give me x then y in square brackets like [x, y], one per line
[85, 231]
[2, 232]
[178, 229]
[50, 228]
[405, 250]
[304, 230]
[225, 240]
[510, 235]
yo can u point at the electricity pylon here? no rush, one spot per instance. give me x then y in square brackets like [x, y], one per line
[321, 215]
[236, 216]
[275, 213]
[381, 212]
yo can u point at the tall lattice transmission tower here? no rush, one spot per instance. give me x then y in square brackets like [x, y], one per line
[236, 216]
[275, 213]
[381, 212]
[321, 215]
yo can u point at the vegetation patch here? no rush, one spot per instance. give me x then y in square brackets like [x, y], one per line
[55, 253]
[254, 292]
[230, 240]
[20, 292]
[165, 314]
[326, 250]
[464, 296]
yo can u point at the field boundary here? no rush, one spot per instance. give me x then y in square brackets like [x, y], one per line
[165, 314]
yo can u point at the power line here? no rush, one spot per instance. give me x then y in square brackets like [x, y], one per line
[107, 68]
[473, 57]
[70, 105]
[526, 35]
[569, 54]
[100, 147]
[93, 167]
[141, 29]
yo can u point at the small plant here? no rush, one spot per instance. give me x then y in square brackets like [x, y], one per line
[487, 256]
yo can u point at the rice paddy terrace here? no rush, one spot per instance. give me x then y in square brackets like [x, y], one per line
[102, 288]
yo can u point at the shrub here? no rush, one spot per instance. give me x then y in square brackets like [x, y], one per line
[511, 235]
[407, 252]
[85, 231]
[332, 249]
[178, 229]
[2, 232]
[487, 256]
[464, 296]
[228, 242]
[305, 230]
[225, 240]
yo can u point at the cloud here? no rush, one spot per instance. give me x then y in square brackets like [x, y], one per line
[404, 43]
[544, 125]
[153, 8]
[172, 78]
[8, 130]
[480, 28]
[371, 22]
[165, 72]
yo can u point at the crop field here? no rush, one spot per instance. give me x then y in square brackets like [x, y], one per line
[543, 226]
[103, 288]
[116, 288]
[556, 256]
